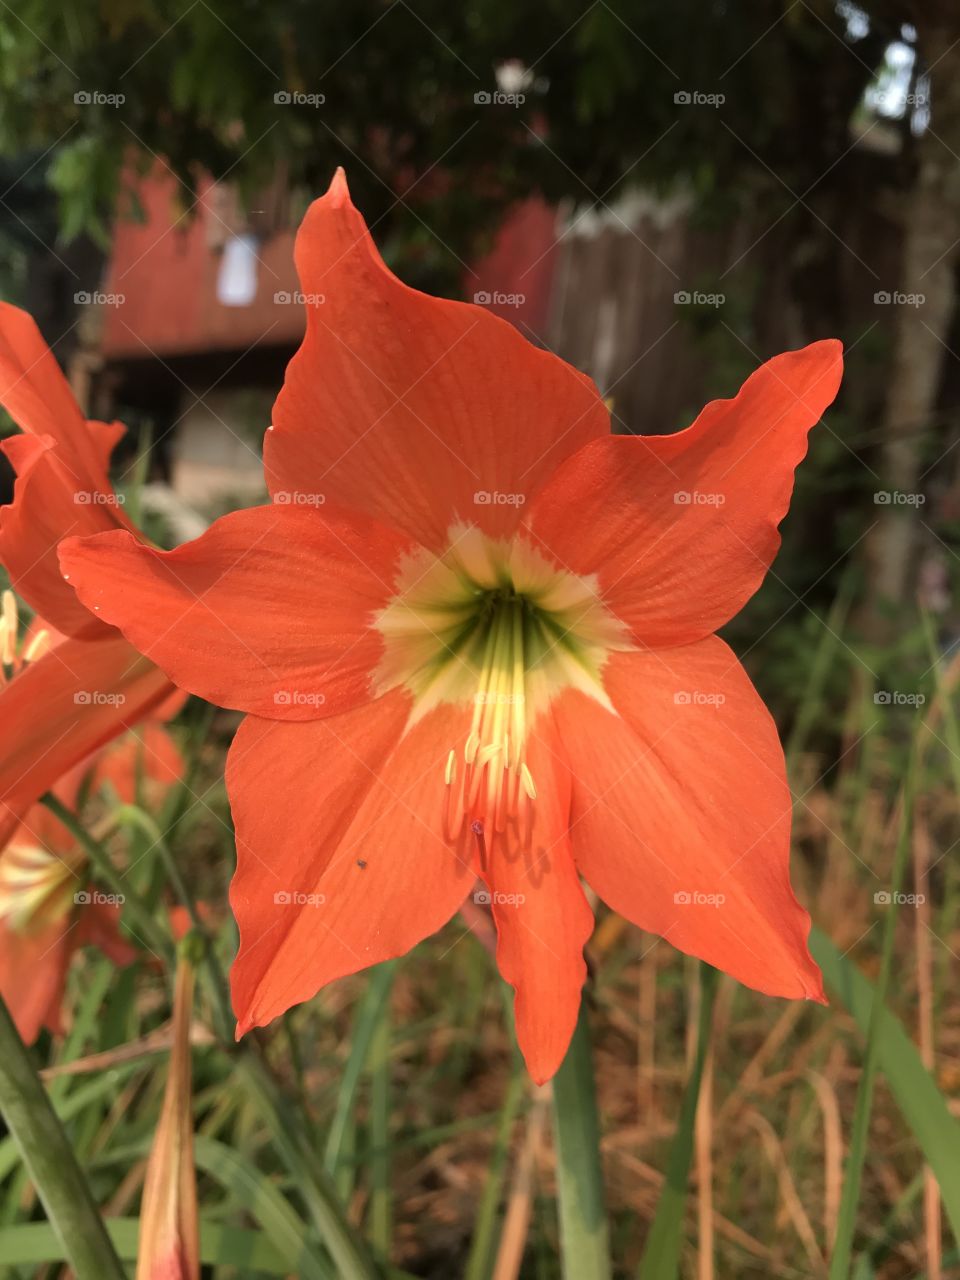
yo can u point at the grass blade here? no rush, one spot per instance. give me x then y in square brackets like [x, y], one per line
[923, 1106]
[842, 1252]
[661, 1254]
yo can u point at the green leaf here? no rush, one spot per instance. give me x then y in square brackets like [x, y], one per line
[284, 1228]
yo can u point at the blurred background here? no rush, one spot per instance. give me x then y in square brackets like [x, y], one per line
[664, 195]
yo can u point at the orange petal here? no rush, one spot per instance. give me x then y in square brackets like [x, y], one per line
[681, 812]
[268, 611]
[64, 706]
[339, 860]
[680, 530]
[543, 919]
[33, 974]
[98, 924]
[417, 410]
[45, 509]
[37, 396]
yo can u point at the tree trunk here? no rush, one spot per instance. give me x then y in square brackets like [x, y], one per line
[931, 244]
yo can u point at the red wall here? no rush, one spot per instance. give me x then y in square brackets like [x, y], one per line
[166, 270]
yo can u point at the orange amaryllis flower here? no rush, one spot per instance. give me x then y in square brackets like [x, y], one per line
[77, 695]
[48, 910]
[474, 633]
[169, 1247]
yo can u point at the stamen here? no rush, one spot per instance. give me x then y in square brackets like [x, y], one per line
[528, 784]
[38, 646]
[451, 770]
[9, 629]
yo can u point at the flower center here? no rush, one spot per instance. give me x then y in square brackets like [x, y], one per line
[496, 625]
[35, 886]
[13, 656]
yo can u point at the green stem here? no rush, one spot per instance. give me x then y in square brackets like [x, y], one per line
[584, 1244]
[661, 1253]
[51, 1163]
[842, 1254]
[380, 1210]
